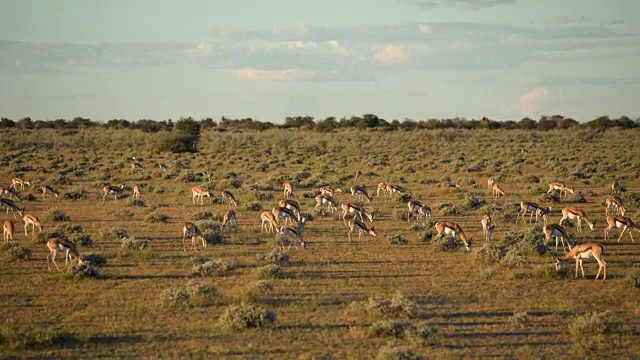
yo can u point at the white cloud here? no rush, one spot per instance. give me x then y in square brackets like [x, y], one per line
[274, 75]
[300, 44]
[391, 54]
[424, 28]
[533, 100]
[203, 49]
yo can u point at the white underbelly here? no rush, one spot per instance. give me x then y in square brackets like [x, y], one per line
[587, 254]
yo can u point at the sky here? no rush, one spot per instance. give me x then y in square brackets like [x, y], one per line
[416, 59]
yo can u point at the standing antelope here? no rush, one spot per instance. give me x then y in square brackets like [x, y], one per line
[291, 205]
[585, 251]
[361, 227]
[136, 192]
[199, 193]
[453, 229]
[192, 231]
[282, 212]
[419, 208]
[33, 221]
[533, 208]
[10, 205]
[113, 190]
[294, 232]
[615, 187]
[621, 223]
[558, 232]
[228, 196]
[327, 190]
[323, 199]
[616, 203]
[10, 192]
[288, 190]
[359, 191]
[356, 210]
[59, 244]
[573, 213]
[19, 181]
[560, 186]
[136, 166]
[490, 183]
[229, 218]
[487, 227]
[270, 220]
[8, 230]
[394, 189]
[46, 189]
[497, 191]
[382, 187]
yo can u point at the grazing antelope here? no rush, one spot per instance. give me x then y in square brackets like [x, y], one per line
[8, 230]
[573, 213]
[58, 244]
[533, 208]
[419, 208]
[487, 227]
[558, 232]
[560, 186]
[282, 212]
[621, 223]
[19, 181]
[33, 221]
[615, 187]
[323, 199]
[295, 232]
[359, 191]
[327, 190]
[46, 189]
[10, 192]
[288, 190]
[192, 231]
[616, 203]
[497, 191]
[453, 229]
[361, 227]
[228, 196]
[198, 193]
[113, 190]
[382, 187]
[585, 251]
[136, 192]
[357, 176]
[270, 220]
[490, 183]
[10, 205]
[394, 189]
[291, 205]
[356, 210]
[229, 217]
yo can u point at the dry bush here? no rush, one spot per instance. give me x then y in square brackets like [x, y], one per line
[397, 353]
[237, 317]
[397, 306]
[17, 251]
[274, 256]
[95, 259]
[270, 271]
[56, 215]
[216, 267]
[489, 254]
[201, 294]
[83, 271]
[174, 298]
[397, 239]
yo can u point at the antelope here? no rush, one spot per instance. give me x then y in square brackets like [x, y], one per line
[419, 208]
[136, 192]
[282, 212]
[490, 183]
[292, 231]
[326, 199]
[268, 218]
[450, 228]
[394, 189]
[616, 203]
[356, 176]
[207, 175]
[228, 196]
[192, 230]
[291, 205]
[382, 187]
[560, 186]
[136, 166]
[327, 190]
[33, 221]
[198, 193]
[8, 230]
[162, 167]
[59, 244]
[533, 208]
[361, 227]
[229, 217]
[620, 222]
[112, 190]
[10, 205]
[558, 232]
[359, 191]
[497, 191]
[585, 251]
[487, 227]
[288, 190]
[19, 181]
[615, 187]
[573, 213]
[356, 210]
[48, 189]
[10, 192]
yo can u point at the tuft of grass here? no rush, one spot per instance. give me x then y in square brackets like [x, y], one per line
[632, 279]
[274, 256]
[253, 206]
[270, 271]
[136, 202]
[58, 215]
[397, 306]
[450, 210]
[397, 353]
[244, 316]
[131, 243]
[253, 291]
[124, 214]
[17, 251]
[397, 239]
[157, 217]
[14, 335]
[76, 194]
[488, 273]
[174, 298]
[86, 270]
[95, 259]
[115, 233]
[593, 324]
[520, 320]
[387, 328]
[216, 267]
[201, 294]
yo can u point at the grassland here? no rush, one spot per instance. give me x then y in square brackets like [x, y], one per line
[334, 299]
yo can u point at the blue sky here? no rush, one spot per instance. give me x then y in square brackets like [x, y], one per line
[417, 59]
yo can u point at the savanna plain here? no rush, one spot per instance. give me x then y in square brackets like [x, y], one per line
[400, 294]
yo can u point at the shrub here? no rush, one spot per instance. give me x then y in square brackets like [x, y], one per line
[77, 194]
[594, 324]
[520, 319]
[157, 217]
[253, 291]
[47, 234]
[270, 271]
[124, 214]
[450, 210]
[397, 239]
[397, 306]
[17, 251]
[632, 279]
[174, 298]
[83, 240]
[58, 215]
[514, 259]
[16, 336]
[473, 202]
[95, 259]
[528, 242]
[243, 316]
[217, 267]
[131, 243]
[397, 353]
[253, 206]
[275, 256]
[387, 328]
[83, 271]
[576, 198]
[263, 196]
[400, 215]
[202, 294]
[115, 233]
[421, 333]
[136, 202]
[488, 273]
[445, 243]
[205, 215]
[489, 254]
[546, 272]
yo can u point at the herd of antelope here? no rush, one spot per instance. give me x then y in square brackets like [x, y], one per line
[287, 221]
